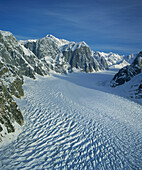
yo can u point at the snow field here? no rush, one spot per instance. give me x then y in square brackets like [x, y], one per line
[74, 122]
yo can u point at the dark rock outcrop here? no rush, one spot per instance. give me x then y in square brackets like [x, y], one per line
[15, 62]
[17, 56]
[9, 111]
[79, 55]
[10, 84]
[127, 73]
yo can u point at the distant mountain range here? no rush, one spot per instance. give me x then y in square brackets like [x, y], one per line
[115, 60]
[49, 54]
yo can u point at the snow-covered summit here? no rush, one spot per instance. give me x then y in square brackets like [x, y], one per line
[5, 33]
[73, 46]
[48, 37]
[59, 42]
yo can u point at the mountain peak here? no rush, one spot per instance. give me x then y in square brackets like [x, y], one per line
[73, 46]
[50, 36]
[5, 33]
[83, 43]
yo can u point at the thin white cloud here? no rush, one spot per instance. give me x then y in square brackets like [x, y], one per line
[113, 48]
[20, 37]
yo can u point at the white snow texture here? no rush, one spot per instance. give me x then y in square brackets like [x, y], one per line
[76, 121]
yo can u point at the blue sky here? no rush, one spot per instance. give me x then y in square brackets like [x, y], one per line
[105, 25]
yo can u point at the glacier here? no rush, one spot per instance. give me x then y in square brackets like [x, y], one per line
[76, 121]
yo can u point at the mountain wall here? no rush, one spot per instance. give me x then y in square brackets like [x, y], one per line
[62, 56]
[15, 62]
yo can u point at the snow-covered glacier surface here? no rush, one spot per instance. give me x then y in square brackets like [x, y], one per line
[76, 121]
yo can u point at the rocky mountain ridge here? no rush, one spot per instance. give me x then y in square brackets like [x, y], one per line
[62, 56]
[51, 49]
[115, 60]
[128, 73]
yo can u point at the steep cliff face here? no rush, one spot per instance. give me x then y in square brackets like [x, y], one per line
[9, 111]
[62, 56]
[79, 56]
[10, 84]
[47, 49]
[138, 60]
[127, 73]
[43, 47]
[17, 56]
[15, 61]
[103, 64]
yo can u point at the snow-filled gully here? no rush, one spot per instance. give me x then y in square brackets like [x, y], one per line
[69, 126]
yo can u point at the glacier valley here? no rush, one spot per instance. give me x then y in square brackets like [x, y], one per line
[76, 121]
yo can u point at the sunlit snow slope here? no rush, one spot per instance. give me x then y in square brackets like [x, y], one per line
[76, 122]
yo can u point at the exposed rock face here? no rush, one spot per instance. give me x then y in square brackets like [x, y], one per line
[15, 61]
[11, 79]
[9, 111]
[101, 60]
[79, 56]
[138, 60]
[16, 55]
[43, 47]
[10, 84]
[62, 56]
[125, 74]
[47, 49]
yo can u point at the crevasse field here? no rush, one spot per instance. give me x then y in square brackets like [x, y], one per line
[76, 121]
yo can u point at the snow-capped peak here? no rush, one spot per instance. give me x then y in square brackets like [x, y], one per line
[59, 42]
[115, 60]
[50, 36]
[5, 33]
[83, 43]
[73, 46]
